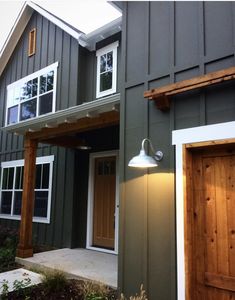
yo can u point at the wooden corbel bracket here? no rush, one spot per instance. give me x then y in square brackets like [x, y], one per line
[162, 102]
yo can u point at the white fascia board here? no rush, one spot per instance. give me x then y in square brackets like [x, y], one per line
[19, 26]
[14, 35]
[89, 40]
[54, 20]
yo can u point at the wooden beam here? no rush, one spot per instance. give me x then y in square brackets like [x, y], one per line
[84, 124]
[25, 247]
[159, 94]
[220, 281]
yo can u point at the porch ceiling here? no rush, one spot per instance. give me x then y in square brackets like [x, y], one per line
[60, 127]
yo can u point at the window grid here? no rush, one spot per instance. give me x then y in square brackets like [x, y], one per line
[40, 161]
[112, 48]
[20, 83]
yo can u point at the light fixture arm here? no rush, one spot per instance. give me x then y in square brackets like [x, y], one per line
[157, 155]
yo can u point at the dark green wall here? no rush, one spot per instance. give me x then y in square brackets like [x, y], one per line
[100, 140]
[165, 42]
[52, 45]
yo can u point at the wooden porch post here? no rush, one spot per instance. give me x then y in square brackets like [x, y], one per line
[25, 247]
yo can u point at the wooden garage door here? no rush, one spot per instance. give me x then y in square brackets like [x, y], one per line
[104, 202]
[213, 225]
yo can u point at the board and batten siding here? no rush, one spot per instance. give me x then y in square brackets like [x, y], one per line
[176, 41]
[52, 45]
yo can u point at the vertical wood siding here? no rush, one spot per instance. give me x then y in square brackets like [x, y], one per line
[52, 45]
[176, 41]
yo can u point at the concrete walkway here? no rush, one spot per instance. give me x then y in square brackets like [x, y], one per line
[19, 275]
[77, 263]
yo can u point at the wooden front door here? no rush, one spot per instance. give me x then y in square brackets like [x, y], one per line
[104, 202]
[213, 224]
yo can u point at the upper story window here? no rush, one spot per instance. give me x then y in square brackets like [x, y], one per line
[106, 82]
[32, 96]
[11, 189]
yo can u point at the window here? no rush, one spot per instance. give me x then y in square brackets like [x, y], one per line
[12, 188]
[32, 42]
[106, 70]
[32, 96]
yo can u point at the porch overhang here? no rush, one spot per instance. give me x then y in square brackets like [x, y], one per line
[70, 120]
[60, 129]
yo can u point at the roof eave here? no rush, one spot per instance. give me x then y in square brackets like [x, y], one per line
[14, 35]
[19, 26]
[89, 40]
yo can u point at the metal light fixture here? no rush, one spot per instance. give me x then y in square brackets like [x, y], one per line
[143, 160]
[83, 145]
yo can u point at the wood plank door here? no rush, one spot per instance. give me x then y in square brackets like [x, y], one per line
[104, 202]
[213, 224]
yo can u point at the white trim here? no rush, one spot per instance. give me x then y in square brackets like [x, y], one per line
[90, 202]
[19, 83]
[91, 39]
[107, 48]
[38, 73]
[76, 112]
[55, 20]
[19, 26]
[221, 131]
[19, 163]
[110, 48]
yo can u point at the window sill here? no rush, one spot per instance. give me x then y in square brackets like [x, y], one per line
[17, 218]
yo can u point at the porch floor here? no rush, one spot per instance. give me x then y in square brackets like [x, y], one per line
[77, 263]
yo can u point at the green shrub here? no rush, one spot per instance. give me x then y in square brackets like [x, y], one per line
[7, 258]
[8, 243]
[20, 287]
[8, 235]
[54, 281]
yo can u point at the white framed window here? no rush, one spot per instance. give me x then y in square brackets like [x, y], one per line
[32, 96]
[11, 189]
[106, 80]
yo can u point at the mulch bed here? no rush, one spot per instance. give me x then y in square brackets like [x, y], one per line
[71, 291]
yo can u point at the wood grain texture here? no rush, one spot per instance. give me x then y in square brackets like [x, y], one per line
[189, 84]
[84, 124]
[104, 202]
[220, 281]
[210, 200]
[25, 247]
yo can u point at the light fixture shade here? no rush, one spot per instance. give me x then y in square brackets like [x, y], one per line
[142, 161]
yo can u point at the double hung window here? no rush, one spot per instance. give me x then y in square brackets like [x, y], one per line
[106, 81]
[12, 189]
[32, 96]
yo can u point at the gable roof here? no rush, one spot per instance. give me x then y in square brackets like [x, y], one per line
[20, 24]
[85, 40]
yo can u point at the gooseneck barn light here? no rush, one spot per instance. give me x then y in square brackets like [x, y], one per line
[143, 160]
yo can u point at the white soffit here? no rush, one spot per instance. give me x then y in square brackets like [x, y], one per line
[70, 115]
[89, 40]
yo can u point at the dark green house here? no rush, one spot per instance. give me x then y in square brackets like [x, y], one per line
[81, 105]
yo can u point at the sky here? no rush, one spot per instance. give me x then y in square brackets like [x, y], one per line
[86, 15]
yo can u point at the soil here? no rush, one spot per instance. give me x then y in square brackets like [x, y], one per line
[71, 291]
